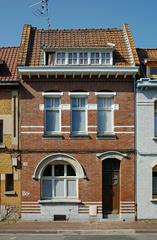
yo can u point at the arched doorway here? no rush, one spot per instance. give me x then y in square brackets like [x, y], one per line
[110, 186]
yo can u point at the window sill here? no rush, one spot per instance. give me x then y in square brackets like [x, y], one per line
[107, 136]
[2, 146]
[153, 200]
[10, 193]
[80, 135]
[62, 200]
[51, 136]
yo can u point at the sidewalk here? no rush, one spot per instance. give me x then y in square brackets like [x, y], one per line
[77, 227]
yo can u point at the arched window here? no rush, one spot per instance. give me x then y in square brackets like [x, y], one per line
[59, 181]
[155, 118]
[154, 182]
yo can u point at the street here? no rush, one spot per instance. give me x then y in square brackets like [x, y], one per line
[41, 236]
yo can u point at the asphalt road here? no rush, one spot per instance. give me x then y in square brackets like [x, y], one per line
[145, 236]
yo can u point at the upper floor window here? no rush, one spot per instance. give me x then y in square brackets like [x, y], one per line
[59, 181]
[155, 118]
[78, 113]
[105, 113]
[52, 108]
[79, 58]
[1, 131]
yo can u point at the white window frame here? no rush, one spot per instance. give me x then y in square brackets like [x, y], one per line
[53, 95]
[111, 96]
[155, 113]
[79, 95]
[65, 178]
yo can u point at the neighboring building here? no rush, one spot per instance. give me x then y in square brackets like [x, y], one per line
[77, 123]
[10, 195]
[146, 119]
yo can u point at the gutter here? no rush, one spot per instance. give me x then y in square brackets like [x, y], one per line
[9, 83]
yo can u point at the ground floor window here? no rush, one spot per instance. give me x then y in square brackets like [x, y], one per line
[58, 181]
[9, 183]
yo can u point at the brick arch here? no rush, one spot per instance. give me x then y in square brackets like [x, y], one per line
[59, 157]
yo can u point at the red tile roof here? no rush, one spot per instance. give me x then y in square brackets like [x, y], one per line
[150, 54]
[34, 41]
[8, 63]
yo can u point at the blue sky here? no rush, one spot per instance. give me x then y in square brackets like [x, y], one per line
[140, 14]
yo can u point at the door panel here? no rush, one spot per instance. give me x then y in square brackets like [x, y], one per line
[110, 185]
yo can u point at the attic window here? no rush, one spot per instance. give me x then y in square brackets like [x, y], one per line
[153, 72]
[94, 57]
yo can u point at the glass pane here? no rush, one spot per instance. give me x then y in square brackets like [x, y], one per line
[104, 102]
[46, 188]
[51, 102]
[154, 183]
[153, 70]
[155, 123]
[71, 188]
[70, 171]
[59, 188]
[78, 121]
[48, 171]
[52, 120]
[104, 121]
[78, 102]
[59, 170]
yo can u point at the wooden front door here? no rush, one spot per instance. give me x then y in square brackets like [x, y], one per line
[110, 186]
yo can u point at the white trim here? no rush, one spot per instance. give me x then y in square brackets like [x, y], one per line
[78, 94]
[125, 132]
[60, 200]
[52, 94]
[80, 133]
[130, 70]
[128, 45]
[27, 132]
[111, 154]
[105, 94]
[131, 126]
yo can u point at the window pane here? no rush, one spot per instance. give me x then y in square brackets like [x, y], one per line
[154, 183]
[52, 102]
[9, 182]
[59, 170]
[52, 120]
[1, 131]
[104, 102]
[70, 171]
[78, 120]
[46, 188]
[71, 188]
[78, 102]
[59, 188]
[153, 70]
[104, 121]
[48, 171]
[155, 123]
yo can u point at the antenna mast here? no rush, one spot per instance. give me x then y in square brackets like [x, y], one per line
[41, 8]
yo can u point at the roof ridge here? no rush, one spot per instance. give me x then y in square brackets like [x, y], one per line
[9, 47]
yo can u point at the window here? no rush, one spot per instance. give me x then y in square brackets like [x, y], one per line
[153, 72]
[72, 58]
[105, 58]
[60, 58]
[59, 181]
[78, 115]
[50, 58]
[9, 184]
[52, 115]
[83, 58]
[95, 58]
[1, 131]
[105, 113]
[155, 118]
[154, 182]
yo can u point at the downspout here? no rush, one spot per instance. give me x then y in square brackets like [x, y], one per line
[135, 147]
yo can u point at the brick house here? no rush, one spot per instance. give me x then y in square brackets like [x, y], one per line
[77, 123]
[10, 196]
[146, 124]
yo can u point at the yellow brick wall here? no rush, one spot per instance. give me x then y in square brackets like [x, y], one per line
[5, 101]
[5, 163]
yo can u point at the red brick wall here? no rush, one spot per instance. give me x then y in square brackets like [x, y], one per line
[35, 146]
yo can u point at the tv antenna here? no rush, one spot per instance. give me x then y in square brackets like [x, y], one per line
[41, 8]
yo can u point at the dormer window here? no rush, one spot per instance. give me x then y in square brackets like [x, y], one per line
[153, 72]
[101, 57]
